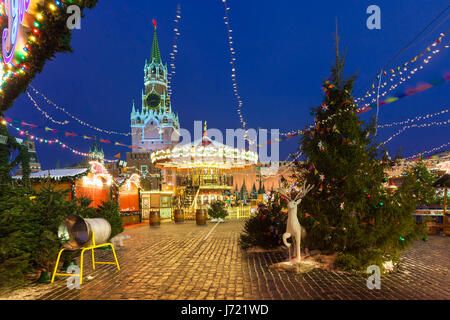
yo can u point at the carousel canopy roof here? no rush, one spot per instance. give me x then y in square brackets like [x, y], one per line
[204, 152]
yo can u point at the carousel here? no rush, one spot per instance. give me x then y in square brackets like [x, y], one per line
[203, 172]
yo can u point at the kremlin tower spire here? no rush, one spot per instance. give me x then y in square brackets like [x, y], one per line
[155, 126]
[156, 55]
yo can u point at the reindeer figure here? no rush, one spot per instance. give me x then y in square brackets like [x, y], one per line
[293, 228]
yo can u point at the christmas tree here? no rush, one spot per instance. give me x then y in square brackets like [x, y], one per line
[266, 228]
[418, 183]
[349, 211]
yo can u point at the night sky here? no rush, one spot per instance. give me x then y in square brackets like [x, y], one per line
[284, 51]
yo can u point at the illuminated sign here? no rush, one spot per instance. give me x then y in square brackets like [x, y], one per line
[15, 10]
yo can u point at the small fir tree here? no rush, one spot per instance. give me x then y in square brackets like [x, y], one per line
[218, 210]
[266, 228]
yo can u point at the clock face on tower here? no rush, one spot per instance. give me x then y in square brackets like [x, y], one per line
[153, 100]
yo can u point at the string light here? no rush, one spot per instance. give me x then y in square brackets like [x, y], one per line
[17, 69]
[430, 115]
[233, 64]
[56, 142]
[402, 71]
[428, 151]
[401, 80]
[431, 124]
[174, 52]
[75, 118]
[45, 113]
[302, 131]
[73, 134]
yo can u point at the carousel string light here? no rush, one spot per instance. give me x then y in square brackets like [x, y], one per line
[49, 117]
[429, 151]
[233, 64]
[174, 52]
[425, 125]
[50, 141]
[75, 118]
[402, 69]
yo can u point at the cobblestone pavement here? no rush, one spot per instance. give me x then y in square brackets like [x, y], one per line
[175, 261]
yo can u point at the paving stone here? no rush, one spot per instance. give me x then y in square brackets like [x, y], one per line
[176, 262]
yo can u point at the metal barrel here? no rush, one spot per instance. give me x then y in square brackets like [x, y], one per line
[77, 231]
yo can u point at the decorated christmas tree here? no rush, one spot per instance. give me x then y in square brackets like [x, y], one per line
[349, 212]
[418, 183]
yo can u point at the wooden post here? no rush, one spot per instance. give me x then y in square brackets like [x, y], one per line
[445, 200]
[446, 217]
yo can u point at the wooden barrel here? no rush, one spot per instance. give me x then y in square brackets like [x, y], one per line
[179, 215]
[155, 218]
[200, 216]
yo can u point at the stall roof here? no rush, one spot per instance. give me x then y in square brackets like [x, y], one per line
[442, 182]
[56, 173]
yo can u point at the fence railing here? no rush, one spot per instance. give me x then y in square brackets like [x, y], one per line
[239, 212]
[234, 213]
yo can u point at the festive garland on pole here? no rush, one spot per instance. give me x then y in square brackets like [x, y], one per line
[45, 37]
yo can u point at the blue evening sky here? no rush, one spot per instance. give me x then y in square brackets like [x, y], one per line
[284, 51]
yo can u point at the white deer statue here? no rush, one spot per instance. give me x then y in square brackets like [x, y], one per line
[293, 228]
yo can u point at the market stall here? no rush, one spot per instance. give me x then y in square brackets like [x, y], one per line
[129, 199]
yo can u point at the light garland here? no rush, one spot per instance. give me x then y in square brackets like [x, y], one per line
[402, 79]
[431, 124]
[49, 117]
[430, 115]
[176, 30]
[233, 64]
[72, 134]
[18, 66]
[429, 151]
[402, 69]
[406, 93]
[47, 141]
[302, 131]
[75, 118]
[225, 154]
